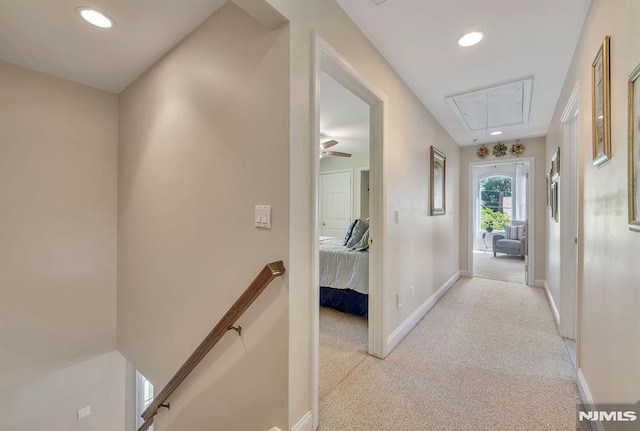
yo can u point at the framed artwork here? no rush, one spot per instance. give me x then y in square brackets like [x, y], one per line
[554, 202]
[634, 150]
[549, 189]
[438, 181]
[601, 101]
[555, 166]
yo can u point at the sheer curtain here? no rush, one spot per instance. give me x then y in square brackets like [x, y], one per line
[520, 192]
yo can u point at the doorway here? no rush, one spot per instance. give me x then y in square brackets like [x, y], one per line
[501, 226]
[569, 223]
[329, 64]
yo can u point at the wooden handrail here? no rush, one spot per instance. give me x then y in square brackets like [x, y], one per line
[146, 424]
[266, 276]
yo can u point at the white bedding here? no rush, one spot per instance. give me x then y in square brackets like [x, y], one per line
[341, 268]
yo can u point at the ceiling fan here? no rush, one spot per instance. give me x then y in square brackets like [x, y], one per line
[329, 144]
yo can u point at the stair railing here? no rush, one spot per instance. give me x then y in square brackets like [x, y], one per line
[257, 286]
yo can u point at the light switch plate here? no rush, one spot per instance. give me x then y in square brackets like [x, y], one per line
[263, 216]
[84, 412]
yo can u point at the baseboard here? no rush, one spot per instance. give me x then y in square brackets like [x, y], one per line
[465, 273]
[552, 304]
[408, 325]
[539, 283]
[305, 423]
[587, 399]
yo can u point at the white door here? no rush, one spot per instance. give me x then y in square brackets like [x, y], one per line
[335, 203]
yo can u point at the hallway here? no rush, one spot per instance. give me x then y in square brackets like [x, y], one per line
[486, 357]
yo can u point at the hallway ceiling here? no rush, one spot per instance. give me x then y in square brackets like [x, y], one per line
[49, 36]
[524, 39]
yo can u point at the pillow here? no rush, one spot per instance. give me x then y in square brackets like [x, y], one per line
[514, 232]
[363, 244]
[358, 231]
[349, 232]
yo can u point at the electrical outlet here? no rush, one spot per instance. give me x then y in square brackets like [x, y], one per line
[413, 292]
[84, 412]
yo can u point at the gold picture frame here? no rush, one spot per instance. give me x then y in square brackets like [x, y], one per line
[634, 149]
[438, 182]
[601, 104]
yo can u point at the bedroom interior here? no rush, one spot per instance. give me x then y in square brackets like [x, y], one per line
[343, 214]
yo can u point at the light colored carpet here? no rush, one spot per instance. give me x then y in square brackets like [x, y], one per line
[502, 267]
[486, 357]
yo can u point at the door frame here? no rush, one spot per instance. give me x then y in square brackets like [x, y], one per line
[531, 202]
[326, 59]
[569, 221]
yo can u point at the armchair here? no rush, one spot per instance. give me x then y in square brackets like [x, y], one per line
[514, 241]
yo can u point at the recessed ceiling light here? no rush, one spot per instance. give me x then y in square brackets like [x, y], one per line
[496, 133]
[97, 18]
[471, 38]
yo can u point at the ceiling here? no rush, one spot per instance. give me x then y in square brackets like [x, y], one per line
[49, 36]
[524, 39]
[343, 117]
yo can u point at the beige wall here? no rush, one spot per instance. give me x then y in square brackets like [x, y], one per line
[535, 148]
[204, 137]
[609, 334]
[415, 243]
[51, 402]
[58, 168]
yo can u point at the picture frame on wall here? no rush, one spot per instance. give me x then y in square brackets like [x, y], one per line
[555, 165]
[438, 168]
[601, 104]
[634, 149]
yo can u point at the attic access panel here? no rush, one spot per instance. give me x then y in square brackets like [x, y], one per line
[493, 107]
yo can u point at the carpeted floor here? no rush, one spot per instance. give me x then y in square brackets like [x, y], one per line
[502, 267]
[486, 357]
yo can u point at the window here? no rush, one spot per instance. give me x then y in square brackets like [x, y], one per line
[495, 197]
[144, 397]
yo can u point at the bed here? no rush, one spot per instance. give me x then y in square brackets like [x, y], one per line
[344, 277]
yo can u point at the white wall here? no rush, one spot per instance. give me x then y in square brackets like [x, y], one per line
[51, 402]
[425, 247]
[357, 160]
[58, 183]
[609, 301]
[204, 137]
[535, 148]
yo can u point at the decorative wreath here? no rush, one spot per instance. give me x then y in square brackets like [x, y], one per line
[517, 149]
[482, 152]
[499, 149]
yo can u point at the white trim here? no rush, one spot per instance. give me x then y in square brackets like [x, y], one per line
[326, 59]
[587, 399]
[465, 273]
[531, 226]
[415, 317]
[569, 251]
[571, 108]
[305, 423]
[539, 283]
[552, 305]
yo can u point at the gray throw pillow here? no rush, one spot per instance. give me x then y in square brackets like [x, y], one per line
[349, 232]
[358, 230]
[363, 244]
